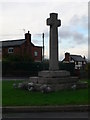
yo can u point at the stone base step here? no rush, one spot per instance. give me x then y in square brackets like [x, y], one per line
[42, 80]
[53, 74]
[57, 80]
[55, 83]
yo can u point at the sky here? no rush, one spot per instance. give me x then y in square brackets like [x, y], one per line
[19, 16]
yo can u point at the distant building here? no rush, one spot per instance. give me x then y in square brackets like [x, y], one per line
[78, 60]
[22, 47]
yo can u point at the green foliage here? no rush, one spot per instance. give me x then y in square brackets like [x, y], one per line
[17, 58]
[23, 68]
[18, 97]
[67, 66]
[83, 73]
[88, 66]
[29, 68]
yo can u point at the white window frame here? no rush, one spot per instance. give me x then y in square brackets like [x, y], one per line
[10, 50]
[35, 53]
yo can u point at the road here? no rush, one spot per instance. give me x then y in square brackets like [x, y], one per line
[47, 115]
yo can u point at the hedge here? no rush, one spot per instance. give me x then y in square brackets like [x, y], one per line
[31, 68]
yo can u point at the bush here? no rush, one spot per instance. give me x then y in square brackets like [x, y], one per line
[67, 66]
[29, 68]
[17, 58]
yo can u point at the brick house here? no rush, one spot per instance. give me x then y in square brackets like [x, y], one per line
[22, 47]
[78, 60]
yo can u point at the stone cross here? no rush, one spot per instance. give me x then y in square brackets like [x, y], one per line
[54, 24]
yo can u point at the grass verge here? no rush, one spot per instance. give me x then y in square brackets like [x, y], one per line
[18, 97]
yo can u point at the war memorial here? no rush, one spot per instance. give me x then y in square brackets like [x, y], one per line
[55, 78]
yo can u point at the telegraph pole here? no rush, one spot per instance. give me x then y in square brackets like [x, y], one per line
[43, 46]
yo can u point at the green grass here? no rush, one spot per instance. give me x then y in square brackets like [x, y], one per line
[18, 97]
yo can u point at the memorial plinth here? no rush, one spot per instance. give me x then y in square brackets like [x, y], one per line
[57, 79]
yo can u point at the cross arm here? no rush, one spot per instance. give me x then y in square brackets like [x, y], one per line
[59, 23]
[48, 21]
[52, 22]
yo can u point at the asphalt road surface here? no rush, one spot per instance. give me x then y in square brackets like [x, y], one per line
[47, 116]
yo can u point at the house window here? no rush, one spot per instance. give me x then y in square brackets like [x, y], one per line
[76, 63]
[35, 53]
[80, 63]
[10, 50]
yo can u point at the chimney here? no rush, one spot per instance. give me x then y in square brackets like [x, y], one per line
[28, 37]
[67, 57]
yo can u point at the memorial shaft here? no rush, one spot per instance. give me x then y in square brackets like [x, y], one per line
[54, 24]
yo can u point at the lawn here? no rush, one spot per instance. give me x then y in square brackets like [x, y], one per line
[18, 97]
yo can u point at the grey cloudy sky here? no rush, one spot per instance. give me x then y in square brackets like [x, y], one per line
[18, 15]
